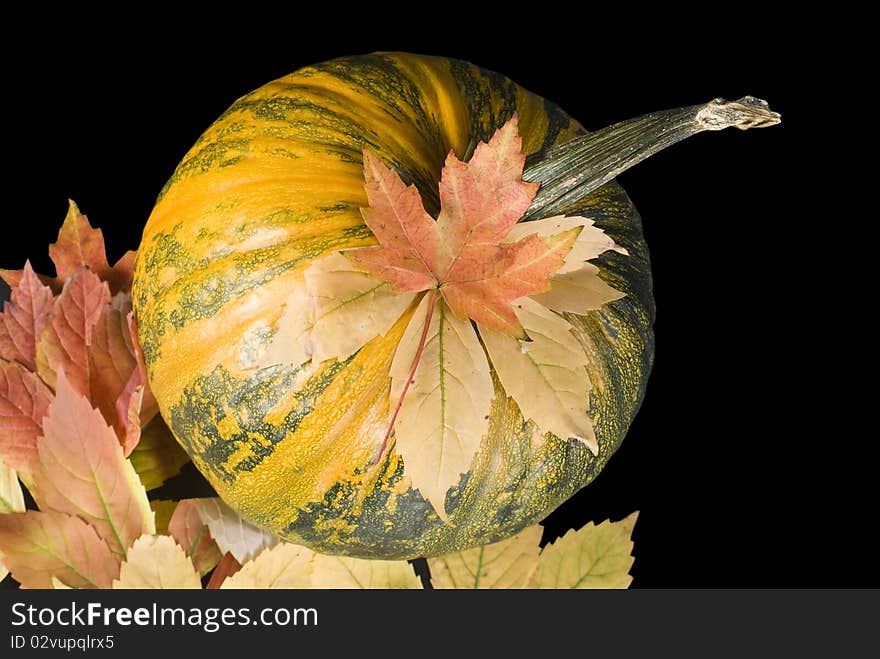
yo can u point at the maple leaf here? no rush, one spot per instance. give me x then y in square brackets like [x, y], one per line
[42, 545]
[24, 402]
[82, 471]
[232, 533]
[462, 253]
[156, 561]
[23, 318]
[157, 456]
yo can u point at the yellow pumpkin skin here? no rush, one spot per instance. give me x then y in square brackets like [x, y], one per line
[277, 182]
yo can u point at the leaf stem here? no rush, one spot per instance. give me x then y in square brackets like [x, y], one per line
[432, 304]
[570, 171]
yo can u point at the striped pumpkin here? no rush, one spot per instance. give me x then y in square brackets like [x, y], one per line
[277, 182]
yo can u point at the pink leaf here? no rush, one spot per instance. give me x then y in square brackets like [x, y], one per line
[149, 406]
[24, 317]
[64, 343]
[191, 533]
[42, 545]
[78, 245]
[83, 471]
[24, 401]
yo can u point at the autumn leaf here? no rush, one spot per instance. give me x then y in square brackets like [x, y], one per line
[231, 533]
[191, 533]
[149, 405]
[157, 456]
[156, 561]
[24, 401]
[23, 318]
[83, 472]
[547, 375]
[80, 245]
[226, 568]
[11, 501]
[163, 510]
[445, 415]
[506, 564]
[596, 556]
[462, 253]
[42, 545]
[64, 342]
[292, 566]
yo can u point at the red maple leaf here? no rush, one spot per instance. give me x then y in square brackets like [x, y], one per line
[462, 253]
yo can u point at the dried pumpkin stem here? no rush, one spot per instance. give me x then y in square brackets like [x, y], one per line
[570, 171]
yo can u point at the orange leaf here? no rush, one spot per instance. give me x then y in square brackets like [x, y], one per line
[83, 472]
[42, 545]
[227, 567]
[191, 533]
[24, 401]
[462, 252]
[63, 344]
[23, 318]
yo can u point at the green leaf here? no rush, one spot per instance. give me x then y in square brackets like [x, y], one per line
[592, 557]
[506, 564]
[157, 456]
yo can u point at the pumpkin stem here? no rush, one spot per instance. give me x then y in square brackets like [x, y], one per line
[570, 171]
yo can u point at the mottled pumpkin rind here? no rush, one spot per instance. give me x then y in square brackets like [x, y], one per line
[277, 182]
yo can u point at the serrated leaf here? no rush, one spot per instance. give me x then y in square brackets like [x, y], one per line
[83, 472]
[346, 572]
[81, 245]
[149, 406]
[157, 456]
[291, 342]
[292, 566]
[578, 292]
[157, 562]
[283, 566]
[64, 342]
[506, 564]
[115, 383]
[24, 401]
[57, 584]
[591, 242]
[163, 509]
[226, 568]
[350, 307]
[592, 557]
[24, 317]
[462, 253]
[546, 376]
[445, 412]
[191, 533]
[42, 545]
[11, 501]
[231, 533]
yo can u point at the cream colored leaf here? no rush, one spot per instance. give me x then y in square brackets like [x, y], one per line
[445, 412]
[592, 557]
[231, 533]
[506, 564]
[283, 566]
[350, 307]
[547, 376]
[156, 561]
[578, 291]
[11, 501]
[290, 342]
[591, 242]
[345, 572]
[11, 497]
[57, 584]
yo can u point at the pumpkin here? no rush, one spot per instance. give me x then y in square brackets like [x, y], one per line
[277, 182]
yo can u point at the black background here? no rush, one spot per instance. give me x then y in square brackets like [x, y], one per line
[741, 461]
